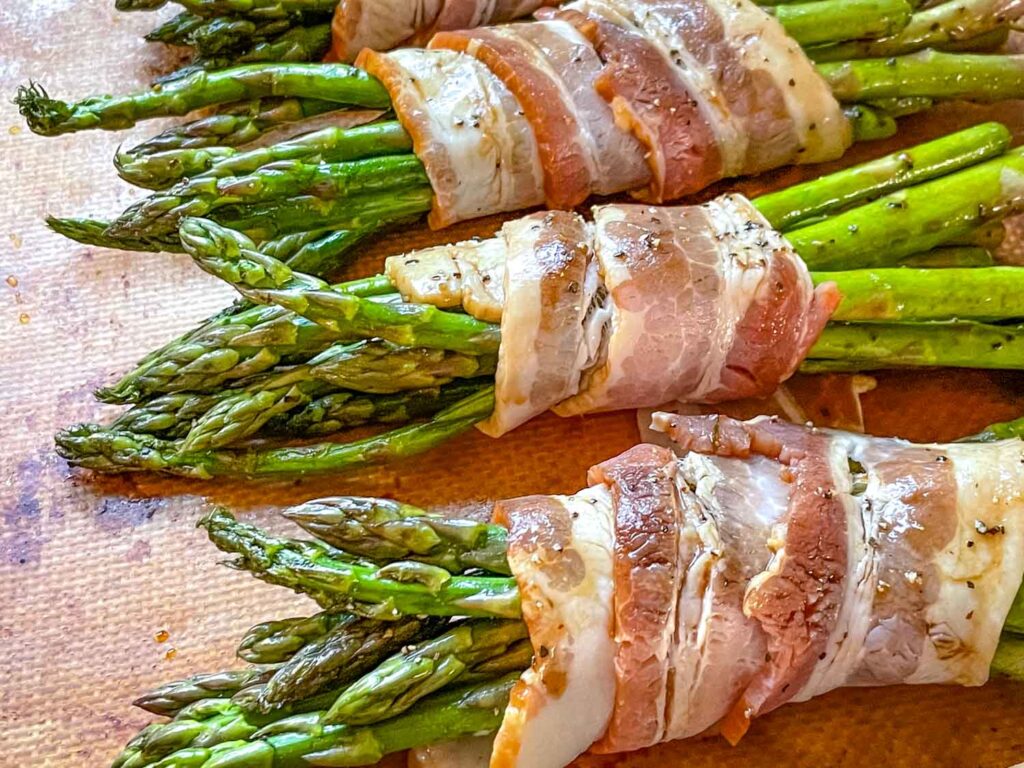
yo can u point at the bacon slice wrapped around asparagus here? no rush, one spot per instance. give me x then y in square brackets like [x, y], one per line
[693, 587]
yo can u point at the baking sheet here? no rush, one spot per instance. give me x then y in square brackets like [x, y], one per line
[95, 571]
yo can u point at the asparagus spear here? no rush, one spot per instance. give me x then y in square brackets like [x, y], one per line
[329, 144]
[975, 77]
[94, 447]
[870, 124]
[364, 366]
[948, 22]
[826, 21]
[399, 589]
[339, 83]
[914, 219]
[176, 30]
[445, 716]
[163, 211]
[950, 257]
[263, 279]
[259, 9]
[884, 345]
[842, 189]
[238, 125]
[231, 346]
[172, 698]
[343, 410]
[226, 34]
[274, 642]
[902, 294]
[94, 232]
[397, 684]
[343, 655]
[384, 530]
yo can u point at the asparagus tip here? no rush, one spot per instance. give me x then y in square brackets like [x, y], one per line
[43, 114]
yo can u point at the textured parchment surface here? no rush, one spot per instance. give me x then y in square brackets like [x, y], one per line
[92, 571]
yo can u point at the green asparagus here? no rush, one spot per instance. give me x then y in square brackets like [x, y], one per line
[949, 22]
[176, 30]
[162, 212]
[842, 189]
[384, 530]
[259, 9]
[397, 684]
[275, 642]
[94, 232]
[400, 589]
[827, 21]
[950, 257]
[171, 698]
[339, 83]
[265, 280]
[912, 295]
[914, 219]
[353, 648]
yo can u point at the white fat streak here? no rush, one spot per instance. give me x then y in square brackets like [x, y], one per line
[565, 727]
[467, 108]
[581, 128]
[990, 489]
[743, 260]
[762, 43]
[650, 23]
[846, 642]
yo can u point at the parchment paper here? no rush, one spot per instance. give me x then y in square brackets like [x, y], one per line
[93, 571]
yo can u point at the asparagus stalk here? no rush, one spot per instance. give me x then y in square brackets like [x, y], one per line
[265, 280]
[870, 124]
[327, 145]
[951, 257]
[353, 648]
[339, 83]
[396, 685]
[176, 30]
[445, 716]
[172, 698]
[229, 34]
[239, 125]
[257, 9]
[914, 219]
[163, 211]
[400, 589]
[343, 410]
[975, 77]
[364, 366]
[275, 642]
[843, 189]
[232, 345]
[94, 447]
[949, 22]
[95, 232]
[883, 345]
[385, 530]
[914, 295]
[826, 21]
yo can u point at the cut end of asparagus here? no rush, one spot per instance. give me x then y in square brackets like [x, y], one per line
[45, 116]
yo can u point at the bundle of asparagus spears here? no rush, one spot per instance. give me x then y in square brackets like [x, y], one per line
[329, 186]
[309, 359]
[383, 667]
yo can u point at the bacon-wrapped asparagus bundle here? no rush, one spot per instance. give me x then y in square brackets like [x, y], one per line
[642, 306]
[658, 100]
[761, 563]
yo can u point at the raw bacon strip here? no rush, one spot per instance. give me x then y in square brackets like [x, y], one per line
[647, 576]
[469, 274]
[709, 303]
[385, 24]
[478, 149]
[542, 323]
[561, 551]
[651, 97]
[796, 599]
[568, 173]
